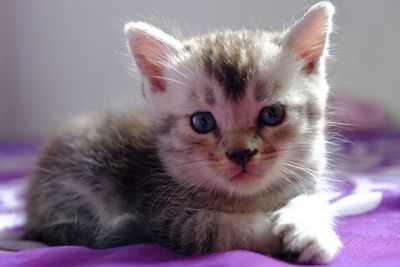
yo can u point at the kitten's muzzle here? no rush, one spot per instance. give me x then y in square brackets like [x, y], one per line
[242, 156]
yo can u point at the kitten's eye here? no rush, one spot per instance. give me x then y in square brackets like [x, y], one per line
[271, 115]
[203, 122]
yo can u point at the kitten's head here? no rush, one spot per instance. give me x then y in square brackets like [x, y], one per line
[238, 111]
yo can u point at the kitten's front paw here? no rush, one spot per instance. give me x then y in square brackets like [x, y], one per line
[312, 243]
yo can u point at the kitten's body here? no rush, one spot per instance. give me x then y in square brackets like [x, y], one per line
[146, 176]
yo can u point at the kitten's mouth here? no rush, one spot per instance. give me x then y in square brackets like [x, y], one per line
[243, 175]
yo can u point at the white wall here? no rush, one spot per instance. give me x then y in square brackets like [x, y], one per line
[64, 57]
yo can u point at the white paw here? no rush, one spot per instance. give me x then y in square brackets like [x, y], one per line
[313, 242]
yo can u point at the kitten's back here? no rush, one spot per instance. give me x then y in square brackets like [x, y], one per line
[89, 179]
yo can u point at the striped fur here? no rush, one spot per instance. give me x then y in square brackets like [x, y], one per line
[147, 176]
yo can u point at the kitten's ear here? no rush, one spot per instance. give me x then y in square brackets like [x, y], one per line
[308, 37]
[151, 48]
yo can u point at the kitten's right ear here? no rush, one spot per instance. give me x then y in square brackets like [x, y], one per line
[151, 48]
[308, 37]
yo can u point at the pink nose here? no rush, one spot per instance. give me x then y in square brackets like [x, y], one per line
[241, 156]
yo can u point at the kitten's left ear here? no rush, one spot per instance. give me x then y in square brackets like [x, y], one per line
[309, 36]
[152, 49]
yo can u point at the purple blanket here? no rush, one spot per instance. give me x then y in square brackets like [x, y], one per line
[368, 199]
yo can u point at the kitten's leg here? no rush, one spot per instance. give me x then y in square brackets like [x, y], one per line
[198, 232]
[305, 226]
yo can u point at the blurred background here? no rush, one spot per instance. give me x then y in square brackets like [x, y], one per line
[61, 58]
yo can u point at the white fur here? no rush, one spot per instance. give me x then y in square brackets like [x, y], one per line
[305, 225]
[312, 31]
[152, 48]
[136, 30]
[183, 77]
[309, 37]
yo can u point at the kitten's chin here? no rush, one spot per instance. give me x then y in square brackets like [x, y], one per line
[246, 182]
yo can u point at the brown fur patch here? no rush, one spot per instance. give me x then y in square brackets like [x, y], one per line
[167, 124]
[284, 132]
[268, 150]
[209, 96]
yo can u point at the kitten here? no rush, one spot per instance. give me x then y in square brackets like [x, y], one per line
[227, 153]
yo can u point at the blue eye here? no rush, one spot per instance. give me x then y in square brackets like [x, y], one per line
[271, 115]
[203, 122]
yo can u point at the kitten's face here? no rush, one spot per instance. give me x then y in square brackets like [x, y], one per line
[237, 111]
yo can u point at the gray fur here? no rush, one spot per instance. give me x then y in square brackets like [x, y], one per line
[146, 176]
[102, 185]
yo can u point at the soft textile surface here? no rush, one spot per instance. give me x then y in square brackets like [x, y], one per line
[368, 199]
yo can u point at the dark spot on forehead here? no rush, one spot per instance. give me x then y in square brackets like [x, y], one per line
[228, 57]
[231, 79]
